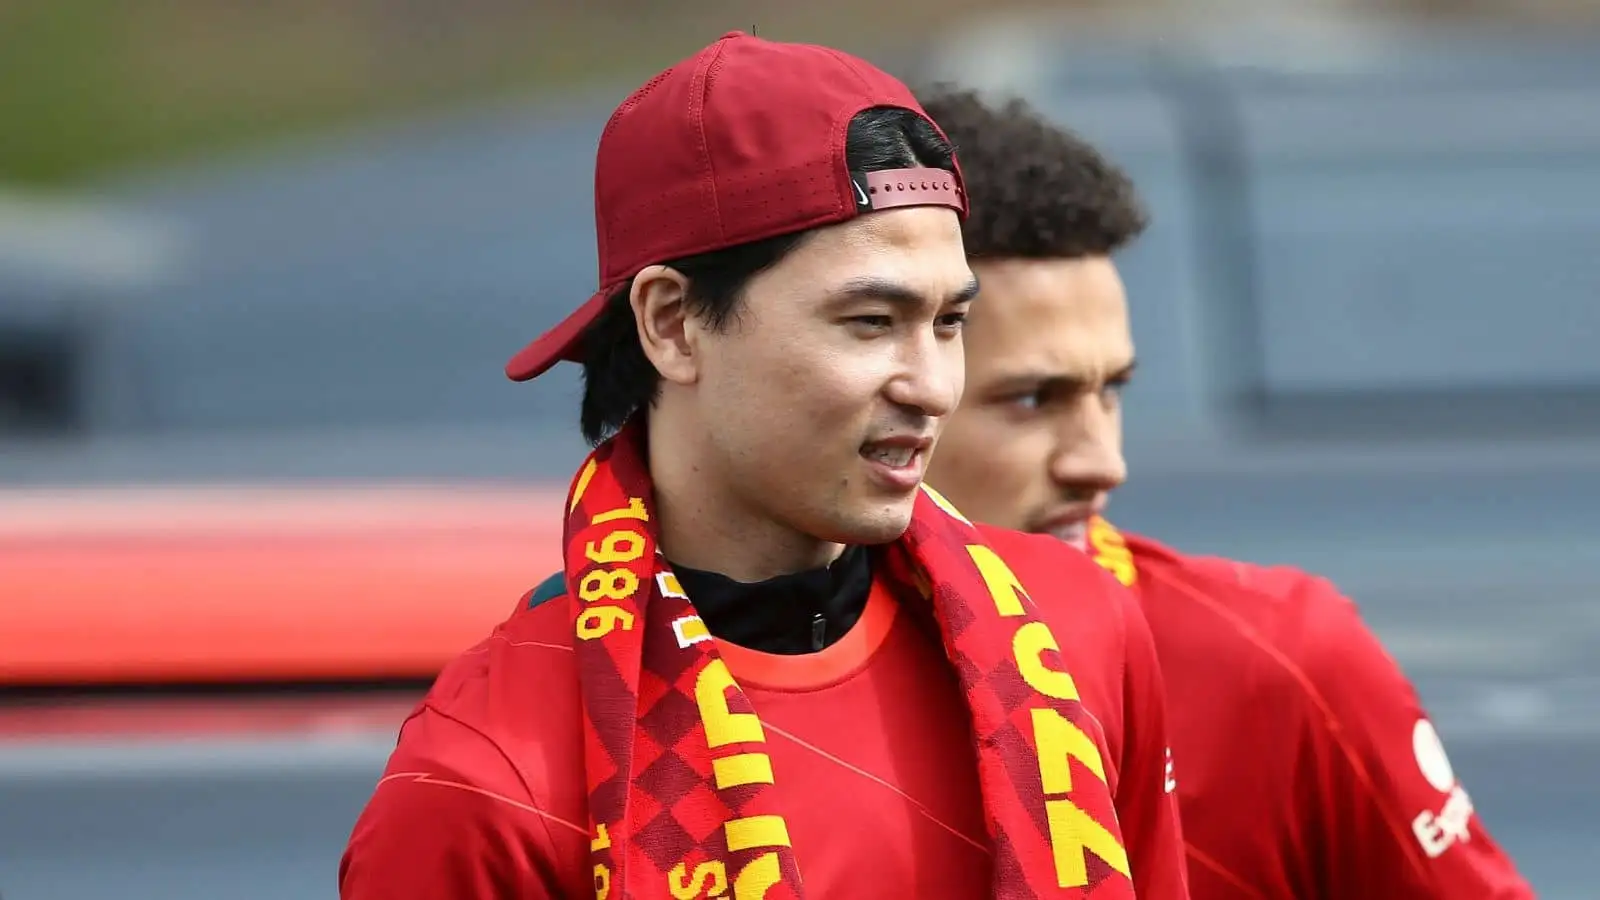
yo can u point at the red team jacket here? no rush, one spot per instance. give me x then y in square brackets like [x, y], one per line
[484, 795]
[1306, 766]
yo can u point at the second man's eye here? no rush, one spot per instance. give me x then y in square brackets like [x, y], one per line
[1028, 401]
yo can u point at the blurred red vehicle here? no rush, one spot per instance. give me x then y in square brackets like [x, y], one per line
[200, 585]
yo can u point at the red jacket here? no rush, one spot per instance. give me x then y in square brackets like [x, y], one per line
[484, 796]
[1306, 766]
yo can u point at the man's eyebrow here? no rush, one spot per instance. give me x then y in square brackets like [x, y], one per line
[897, 293]
[1064, 382]
[1034, 381]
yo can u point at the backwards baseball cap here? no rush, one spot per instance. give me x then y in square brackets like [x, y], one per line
[743, 141]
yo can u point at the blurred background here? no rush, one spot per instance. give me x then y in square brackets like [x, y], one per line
[261, 264]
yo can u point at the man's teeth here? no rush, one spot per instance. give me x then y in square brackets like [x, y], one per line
[891, 456]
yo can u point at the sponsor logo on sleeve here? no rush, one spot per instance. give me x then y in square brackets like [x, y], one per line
[1438, 830]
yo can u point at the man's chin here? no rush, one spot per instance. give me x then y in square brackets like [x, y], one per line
[872, 526]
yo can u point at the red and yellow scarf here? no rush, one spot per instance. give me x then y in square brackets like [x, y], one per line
[1110, 549]
[681, 790]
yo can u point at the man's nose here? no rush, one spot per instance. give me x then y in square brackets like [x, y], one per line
[1089, 454]
[931, 378]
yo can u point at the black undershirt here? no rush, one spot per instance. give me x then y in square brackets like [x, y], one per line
[791, 614]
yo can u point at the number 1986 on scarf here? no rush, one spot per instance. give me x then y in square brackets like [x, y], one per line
[616, 549]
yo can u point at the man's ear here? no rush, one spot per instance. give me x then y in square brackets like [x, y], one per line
[666, 331]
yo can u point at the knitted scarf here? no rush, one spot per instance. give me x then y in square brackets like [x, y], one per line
[1110, 549]
[682, 800]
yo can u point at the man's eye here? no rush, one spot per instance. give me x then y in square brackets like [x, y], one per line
[872, 321]
[953, 320]
[1029, 401]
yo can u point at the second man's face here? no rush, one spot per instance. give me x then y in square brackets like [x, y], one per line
[1036, 444]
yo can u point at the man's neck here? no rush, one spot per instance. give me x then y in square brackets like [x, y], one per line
[704, 527]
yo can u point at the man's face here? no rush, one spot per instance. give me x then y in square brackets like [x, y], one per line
[1037, 443]
[821, 400]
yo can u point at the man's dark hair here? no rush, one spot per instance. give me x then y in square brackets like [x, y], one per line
[1035, 190]
[619, 379]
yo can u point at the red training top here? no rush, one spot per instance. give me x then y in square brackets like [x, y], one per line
[1306, 765]
[485, 795]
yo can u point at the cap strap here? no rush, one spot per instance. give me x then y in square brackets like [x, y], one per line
[890, 188]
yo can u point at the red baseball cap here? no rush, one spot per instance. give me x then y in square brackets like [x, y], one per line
[740, 142]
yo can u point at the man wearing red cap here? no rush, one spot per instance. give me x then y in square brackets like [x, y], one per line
[774, 664]
[1306, 765]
